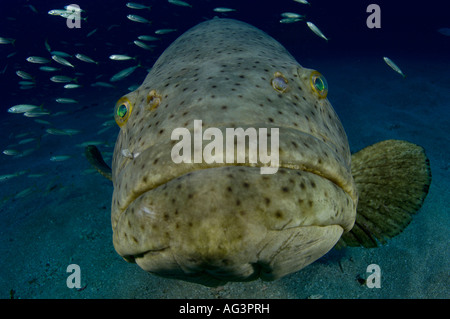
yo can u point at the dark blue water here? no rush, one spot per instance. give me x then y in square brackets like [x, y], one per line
[60, 214]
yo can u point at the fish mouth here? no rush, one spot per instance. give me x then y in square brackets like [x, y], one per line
[239, 226]
[213, 223]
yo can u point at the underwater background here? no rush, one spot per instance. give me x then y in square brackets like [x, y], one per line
[55, 209]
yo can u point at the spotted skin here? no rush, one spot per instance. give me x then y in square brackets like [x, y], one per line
[213, 223]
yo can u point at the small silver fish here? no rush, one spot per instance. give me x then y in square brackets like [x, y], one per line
[36, 113]
[55, 131]
[143, 45]
[47, 46]
[223, 10]
[123, 74]
[147, 38]
[48, 69]
[102, 84]
[42, 122]
[37, 59]
[290, 20]
[7, 41]
[6, 177]
[24, 75]
[22, 108]
[72, 86]
[62, 61]
[65, 100]
[71, 131]
[164, 31]
[85, 58]
[11, 152]
[27, 140]
[60, 158]
[57, 12]
[24, 193]
[136, 18]
[32, 8]
[303, 2]
[61, 79]
[137, 6]
[316, 30]
[91, 33]
[61, 54]
[180, 3]
[394, 66]
[120, 57]
[292, 15]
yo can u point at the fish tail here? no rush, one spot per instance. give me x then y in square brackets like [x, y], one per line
[392, 179]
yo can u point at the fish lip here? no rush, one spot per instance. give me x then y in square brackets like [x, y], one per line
[302, 169]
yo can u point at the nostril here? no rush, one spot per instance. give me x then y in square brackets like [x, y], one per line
[153, 100]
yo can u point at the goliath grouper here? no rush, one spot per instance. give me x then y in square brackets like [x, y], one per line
[211, 222]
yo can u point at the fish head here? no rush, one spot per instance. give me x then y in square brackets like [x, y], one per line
[211, 220]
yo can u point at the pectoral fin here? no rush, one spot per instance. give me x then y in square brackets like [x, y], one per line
[95, 158]
[392, 178]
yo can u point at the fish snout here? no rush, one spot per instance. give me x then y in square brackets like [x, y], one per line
[231, 223]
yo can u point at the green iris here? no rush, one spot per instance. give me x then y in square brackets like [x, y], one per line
[319, 84]
[122, 111]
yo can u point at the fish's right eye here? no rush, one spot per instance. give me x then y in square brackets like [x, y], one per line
[122, 111]
[319, 84]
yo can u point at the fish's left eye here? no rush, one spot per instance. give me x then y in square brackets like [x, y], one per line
[319, 84]
[122, 111]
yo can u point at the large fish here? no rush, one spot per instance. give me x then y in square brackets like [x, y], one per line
[210, 222]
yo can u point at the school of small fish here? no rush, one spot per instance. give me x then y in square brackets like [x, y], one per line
[59, 64]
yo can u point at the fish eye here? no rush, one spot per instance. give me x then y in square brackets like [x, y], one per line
[122, 111]
[279, 82]
[319, 84]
